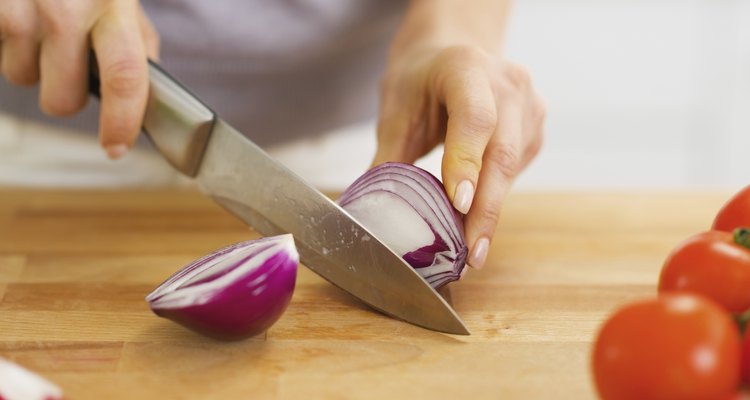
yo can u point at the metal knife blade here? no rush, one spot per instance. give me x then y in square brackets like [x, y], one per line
[246, 181]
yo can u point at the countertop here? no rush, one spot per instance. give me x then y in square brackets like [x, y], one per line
[75, 267]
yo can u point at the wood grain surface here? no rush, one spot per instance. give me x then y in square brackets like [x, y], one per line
[76, 265]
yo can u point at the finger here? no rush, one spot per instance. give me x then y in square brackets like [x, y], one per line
[63, 68]
[533, 126]
[149, 34]
[501, 162]
[392, 139]
[472, 119]
[402, 140]
[121, 57]
[19, 55]
[20, 60]
[532, 149]
[400, 128]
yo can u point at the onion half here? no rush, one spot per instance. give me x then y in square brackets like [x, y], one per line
[406, 207]
[233, 293]
[18, 383]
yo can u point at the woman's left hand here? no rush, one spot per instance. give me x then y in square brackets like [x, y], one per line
[486, 112]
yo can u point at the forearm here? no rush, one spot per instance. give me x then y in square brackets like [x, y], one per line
[432, 23]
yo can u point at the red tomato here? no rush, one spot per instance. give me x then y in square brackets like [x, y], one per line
[679, 346]
[746, 357]
[735, 213]
[711, 264]
[740, 395]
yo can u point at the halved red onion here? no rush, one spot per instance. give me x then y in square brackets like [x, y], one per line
[18, 383]
[233, 293]
[406, 207]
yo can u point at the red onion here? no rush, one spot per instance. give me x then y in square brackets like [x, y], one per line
[233, 293]
[18, 383]
[406, 207]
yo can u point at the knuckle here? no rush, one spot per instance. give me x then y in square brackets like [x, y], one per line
[125, 78]
[505, 159]
[62, 106]
[465, 54]
[535, 146]
[456, 63]
[480, 120]
[515, 81]
[19, 18]
[506, 89]
[13, 29]
[11, 26]
[467, 161]
[535, 111]
[520, 75]
[61, 21]
[25, 76]
[490, 214]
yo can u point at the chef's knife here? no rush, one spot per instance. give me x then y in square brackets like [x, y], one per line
[246, 181]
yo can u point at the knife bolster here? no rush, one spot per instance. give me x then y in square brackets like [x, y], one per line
[176, 122]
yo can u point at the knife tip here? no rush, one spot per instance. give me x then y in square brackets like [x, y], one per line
[453, 326]
[464, 331]
[459, 329]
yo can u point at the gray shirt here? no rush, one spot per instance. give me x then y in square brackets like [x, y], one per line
[276, 69]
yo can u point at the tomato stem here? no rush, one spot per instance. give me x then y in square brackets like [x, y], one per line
[742, 320]
[742, 237]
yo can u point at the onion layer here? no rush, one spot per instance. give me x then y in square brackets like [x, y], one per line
[233, 293]
[406, 207]
[18, 383]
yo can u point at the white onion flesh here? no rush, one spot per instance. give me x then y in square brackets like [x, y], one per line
[18, 383]
[407, 208]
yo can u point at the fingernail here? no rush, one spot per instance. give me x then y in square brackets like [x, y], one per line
[464, 196]
[116, 151]
[479, 254]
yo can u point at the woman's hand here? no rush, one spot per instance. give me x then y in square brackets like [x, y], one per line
[484, 109]
[48, 41]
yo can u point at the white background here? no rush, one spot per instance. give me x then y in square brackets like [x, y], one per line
[641, 93]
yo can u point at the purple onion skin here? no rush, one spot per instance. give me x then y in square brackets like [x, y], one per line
[425, 256]
[237, 311]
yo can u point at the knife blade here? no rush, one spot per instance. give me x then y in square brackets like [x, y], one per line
[246, 181]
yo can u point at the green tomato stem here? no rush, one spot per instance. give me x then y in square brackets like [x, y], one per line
[742, 320]
[742, 237]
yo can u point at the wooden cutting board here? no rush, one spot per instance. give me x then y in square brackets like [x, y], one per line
[75, 267]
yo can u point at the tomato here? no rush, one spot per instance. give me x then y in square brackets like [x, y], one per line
[679, 346]
[712, 264]
[735, 213]
[740, 395]
[746, 357]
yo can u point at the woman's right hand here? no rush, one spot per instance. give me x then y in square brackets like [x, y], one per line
[48, 42]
